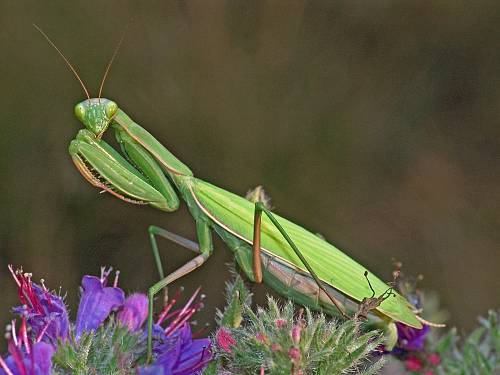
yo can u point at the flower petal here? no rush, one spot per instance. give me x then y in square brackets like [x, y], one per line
[45, 312]
[96, 303]
[134, 312]
[37, 363]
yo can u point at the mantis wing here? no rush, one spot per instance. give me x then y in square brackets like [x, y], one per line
[332, 266]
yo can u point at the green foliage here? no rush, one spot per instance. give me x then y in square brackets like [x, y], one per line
[279, 341]
[238, 296]
[477, 354]
[111, 350]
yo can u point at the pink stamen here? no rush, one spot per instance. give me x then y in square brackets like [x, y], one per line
[18, 359]
[198, 306]
[11, 269]
[4, 367]
[165, 311]
[187, 316]
[24, 335]
[190, 301]
[42, 332]
[163, 316]
[261, 370]
[14, 334]
[171, 315]
[174, 323]
[167, 308]
[27, 296]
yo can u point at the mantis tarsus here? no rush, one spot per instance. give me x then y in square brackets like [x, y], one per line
[293, 261]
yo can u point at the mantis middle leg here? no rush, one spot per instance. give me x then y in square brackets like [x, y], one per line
[204, 248]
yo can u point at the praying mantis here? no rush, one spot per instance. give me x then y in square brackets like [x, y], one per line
[293, 261]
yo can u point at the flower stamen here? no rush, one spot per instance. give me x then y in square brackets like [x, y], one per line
[11, 269]
[117, 275]
[4, 367]
[14, 334]
[24, 335]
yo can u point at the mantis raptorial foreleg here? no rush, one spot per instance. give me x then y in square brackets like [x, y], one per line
[257, 266]
[204, 247]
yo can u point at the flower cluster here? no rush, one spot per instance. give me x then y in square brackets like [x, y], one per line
[280, 340]
[109, 329]
[411, 345]
[411, 349]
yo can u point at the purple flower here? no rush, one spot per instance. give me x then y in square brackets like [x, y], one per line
[180, 354]
[175, 350]
[45, 312]
[411, 339]
[134, 312]
[26, 358]
[45, 322]
[97, 302]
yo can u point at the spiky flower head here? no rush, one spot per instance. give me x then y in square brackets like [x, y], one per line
[44, 311]
[108, 337]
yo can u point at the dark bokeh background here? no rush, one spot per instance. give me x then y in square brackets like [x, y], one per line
[373, 123]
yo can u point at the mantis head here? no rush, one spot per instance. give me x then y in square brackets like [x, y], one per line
[96, 114]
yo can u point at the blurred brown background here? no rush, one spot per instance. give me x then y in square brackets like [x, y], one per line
[373, 123]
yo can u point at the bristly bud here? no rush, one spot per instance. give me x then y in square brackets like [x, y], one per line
[280, 341]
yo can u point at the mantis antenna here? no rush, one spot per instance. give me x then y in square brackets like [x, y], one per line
[111, 60]
[64, 58]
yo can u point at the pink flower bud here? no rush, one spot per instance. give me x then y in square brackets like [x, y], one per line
[280, 323]
[225, 340]
[434, 359]
[296, 334]
[262, 338]
[413, 363]
[294, 354]
[276, 347]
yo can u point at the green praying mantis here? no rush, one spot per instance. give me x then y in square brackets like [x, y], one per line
[293, 261]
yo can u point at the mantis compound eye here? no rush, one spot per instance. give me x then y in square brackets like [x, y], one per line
[80, 111]
[111, 108]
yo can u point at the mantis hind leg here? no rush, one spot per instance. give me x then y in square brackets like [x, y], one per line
[203, 248]
[257, 263]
